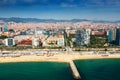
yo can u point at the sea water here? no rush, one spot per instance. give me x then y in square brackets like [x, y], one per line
[99, 69]
[35, 71]
[92, 69]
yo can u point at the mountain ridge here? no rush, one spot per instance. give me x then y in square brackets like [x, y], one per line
[25, 20]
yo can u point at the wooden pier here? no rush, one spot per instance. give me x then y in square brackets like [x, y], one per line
[74, 71]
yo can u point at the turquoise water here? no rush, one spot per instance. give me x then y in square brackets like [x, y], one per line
[103, 69]
[35, 71]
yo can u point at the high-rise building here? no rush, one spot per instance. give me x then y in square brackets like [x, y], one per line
[114, 36]
[118, 36]
[1, 29]
[82, 37]
[5, 27]
[87, 36]
[9, 42]
[35, 42]
[60, 41]
[110, 36]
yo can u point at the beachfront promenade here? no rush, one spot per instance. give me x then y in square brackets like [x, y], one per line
[56, 56]
[53, 56]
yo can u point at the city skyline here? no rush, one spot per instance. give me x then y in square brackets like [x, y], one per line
[62, 9]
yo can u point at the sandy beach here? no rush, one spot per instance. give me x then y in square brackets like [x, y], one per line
[55, 58]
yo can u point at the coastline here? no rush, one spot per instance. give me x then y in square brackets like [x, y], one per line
[56, 58]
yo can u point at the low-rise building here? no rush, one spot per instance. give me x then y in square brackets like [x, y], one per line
[35, 42]
[9, 42]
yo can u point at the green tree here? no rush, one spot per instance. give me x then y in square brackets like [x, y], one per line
[3, 37]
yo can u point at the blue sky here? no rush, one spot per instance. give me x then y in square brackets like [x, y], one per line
[61, 9]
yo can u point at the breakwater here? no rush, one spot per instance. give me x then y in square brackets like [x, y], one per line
[74, 70]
